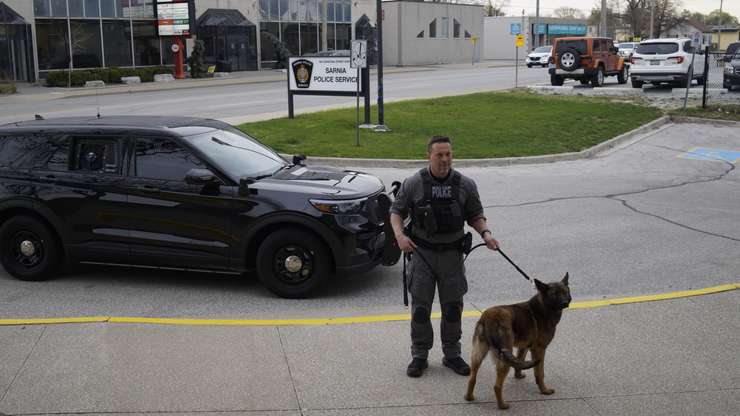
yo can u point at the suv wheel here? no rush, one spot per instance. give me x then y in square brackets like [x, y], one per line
[701, 81]
[556, 80]
[292, 263]
[637, 84]
[28, 249]
[623, 75]
[598, 80]
[570, 60]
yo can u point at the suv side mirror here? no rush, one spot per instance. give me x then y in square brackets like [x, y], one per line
[298, 159]
[200, 177]
[244, 183]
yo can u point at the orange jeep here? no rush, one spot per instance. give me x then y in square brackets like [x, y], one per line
[587, 60]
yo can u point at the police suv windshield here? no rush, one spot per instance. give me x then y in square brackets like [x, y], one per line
[237, 154]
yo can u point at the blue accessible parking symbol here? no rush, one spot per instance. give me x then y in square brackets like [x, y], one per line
[705, 153]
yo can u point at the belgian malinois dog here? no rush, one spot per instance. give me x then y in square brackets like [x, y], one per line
[529, 326]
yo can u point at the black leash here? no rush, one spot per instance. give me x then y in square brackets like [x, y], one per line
[505, 256]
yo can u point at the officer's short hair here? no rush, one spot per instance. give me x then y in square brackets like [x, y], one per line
[437, 139]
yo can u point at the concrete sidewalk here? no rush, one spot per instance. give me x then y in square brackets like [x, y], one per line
[673, 357]
[36, 91]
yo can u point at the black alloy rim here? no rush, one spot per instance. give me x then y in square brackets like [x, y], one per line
[293, 277]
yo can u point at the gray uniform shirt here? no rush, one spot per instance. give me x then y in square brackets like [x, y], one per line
[412, 192]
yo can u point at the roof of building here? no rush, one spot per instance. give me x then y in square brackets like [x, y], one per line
[9, 17]
[223, 17]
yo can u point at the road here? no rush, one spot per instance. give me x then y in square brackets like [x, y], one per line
[647, 218]
[237, 103]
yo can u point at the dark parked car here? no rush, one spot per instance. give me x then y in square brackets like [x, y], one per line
[731, 75]
[180, 193]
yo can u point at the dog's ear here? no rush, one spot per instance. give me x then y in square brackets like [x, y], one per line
[565, 279]
[540, 286]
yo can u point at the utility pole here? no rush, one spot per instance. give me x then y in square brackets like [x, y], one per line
[537, 26]
[381, 127]
[602, 26]
[652, 16]
[719, 27]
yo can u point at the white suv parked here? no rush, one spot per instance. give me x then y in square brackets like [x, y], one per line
[539, 56]
[665, 60]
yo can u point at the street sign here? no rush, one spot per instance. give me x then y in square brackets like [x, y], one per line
[359, 54]
[519, 40]
[696, 39]
[473, 39]
[174, 17]
[515, 28]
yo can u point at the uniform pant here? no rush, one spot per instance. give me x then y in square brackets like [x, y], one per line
[449, 278]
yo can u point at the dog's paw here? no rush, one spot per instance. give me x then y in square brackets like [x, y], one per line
[469, 397]
[519, 375]
[503, 405]
[547, 391]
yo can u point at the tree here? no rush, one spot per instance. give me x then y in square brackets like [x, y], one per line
[665, 16]
[636, 18]
[569, 12]
[726, 19]
[495, 7]
[197, 67]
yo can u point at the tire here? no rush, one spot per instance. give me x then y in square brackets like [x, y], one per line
[29, 249]
[623, 75]
[570, 60]
[584, 81]
[598, 79]
[556, 80]
[529, 65]
[700, 81]
[637, 84]
[307, 252]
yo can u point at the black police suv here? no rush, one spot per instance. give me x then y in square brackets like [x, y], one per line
[184, 193]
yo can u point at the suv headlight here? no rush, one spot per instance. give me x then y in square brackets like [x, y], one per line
[340, 207]
[729, 69]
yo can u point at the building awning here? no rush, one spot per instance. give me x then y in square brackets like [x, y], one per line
[8, 16]
[223, 17]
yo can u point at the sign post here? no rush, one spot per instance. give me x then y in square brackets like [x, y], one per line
[358, 60]
[175, 19]
[519, 43]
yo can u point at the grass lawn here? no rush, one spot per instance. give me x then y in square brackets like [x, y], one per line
[718, 112]
[482, 125]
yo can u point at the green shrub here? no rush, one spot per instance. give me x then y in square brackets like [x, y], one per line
[107, 75]
[56, 79]
[114, 75]
[8, 89]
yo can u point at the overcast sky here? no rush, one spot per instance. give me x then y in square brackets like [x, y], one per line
[547, 6]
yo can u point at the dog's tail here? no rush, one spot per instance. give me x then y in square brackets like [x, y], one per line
[494, 337]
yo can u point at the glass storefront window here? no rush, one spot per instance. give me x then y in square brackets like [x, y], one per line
[309, 38]
[348, 11]
[117, 41]
[274, 12]
[142, 8]
[312, 14]
[330, 11]
[108, 8]
[86, 45]
[59, 8]
[290, 37]
[269, 36]
[284, 10]
[146, 43]
[41, 8]
[76, 8]
[264, 9]
[92, 8]
[52, 44]
[344, 36]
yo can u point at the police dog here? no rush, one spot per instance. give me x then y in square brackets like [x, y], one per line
[528, 326]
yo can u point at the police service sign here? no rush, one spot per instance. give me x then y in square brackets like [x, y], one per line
[322, 74]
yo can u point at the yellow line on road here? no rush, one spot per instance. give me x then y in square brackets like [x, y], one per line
[348, 320]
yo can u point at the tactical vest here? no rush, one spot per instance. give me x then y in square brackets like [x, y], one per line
[440, 211]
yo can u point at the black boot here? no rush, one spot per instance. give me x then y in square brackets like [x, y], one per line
[416, 367]
[457, 365]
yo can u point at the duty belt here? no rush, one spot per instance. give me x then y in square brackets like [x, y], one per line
[455, 245]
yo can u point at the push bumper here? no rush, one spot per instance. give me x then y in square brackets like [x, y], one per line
[731, 79]
[363, 252]
[657, 76]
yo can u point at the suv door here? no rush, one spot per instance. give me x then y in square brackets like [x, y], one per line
[79, 179]
[173, 223]
[613, 57]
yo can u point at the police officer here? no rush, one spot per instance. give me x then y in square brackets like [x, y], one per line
[439, 200]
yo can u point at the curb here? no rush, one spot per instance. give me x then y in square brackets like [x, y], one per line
[700, 120]
[493, 162]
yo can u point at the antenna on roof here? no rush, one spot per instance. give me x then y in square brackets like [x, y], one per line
[38, 117]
